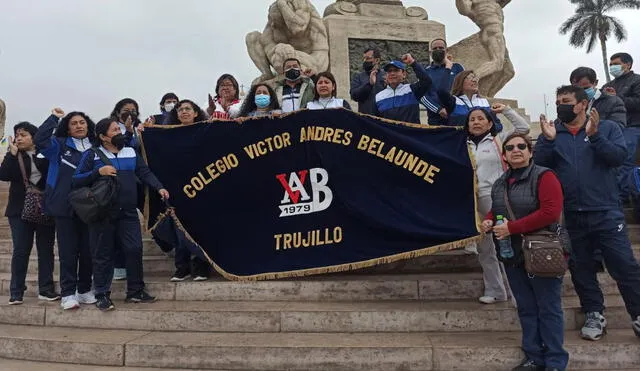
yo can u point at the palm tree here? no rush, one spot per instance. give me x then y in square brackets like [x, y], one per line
[591, 22]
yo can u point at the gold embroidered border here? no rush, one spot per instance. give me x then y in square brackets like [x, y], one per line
[332, 268]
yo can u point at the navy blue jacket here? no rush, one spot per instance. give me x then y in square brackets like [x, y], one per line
[365, 93]
[610, 108]
[403, 102]
[130, 167]
[628, 89]
[63, 159]
[586, 166]
[442, 78]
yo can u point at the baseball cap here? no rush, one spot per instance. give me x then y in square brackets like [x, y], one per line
[396, 64]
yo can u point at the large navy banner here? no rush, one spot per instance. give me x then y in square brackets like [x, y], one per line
[315, 191]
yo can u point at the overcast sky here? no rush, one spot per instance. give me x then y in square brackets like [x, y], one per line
[87, 54]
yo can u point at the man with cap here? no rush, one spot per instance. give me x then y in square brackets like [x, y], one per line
[400, 101]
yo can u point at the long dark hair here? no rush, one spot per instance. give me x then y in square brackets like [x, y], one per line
[63, 127]
[115, 114]
[489, 117]
[102, 127]
[329, 76]
[172, 119]
[233, 80]
[249, 104]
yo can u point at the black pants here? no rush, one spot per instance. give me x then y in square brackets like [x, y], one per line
[22, 235]
[125, 229]
[75, 256]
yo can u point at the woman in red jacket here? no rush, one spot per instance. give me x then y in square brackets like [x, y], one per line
[535, 196]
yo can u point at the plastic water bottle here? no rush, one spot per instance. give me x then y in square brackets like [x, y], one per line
[506, 251]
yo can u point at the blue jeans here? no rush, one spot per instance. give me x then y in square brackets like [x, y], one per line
[126, 231]
[625, 172]
[541, 317]
[75, 256]
[22, 236]
[605, 231]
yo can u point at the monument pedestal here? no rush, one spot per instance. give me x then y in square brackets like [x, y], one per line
[386, 25]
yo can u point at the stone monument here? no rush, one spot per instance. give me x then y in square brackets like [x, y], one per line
[294, 30]
[3, 116]
[388, 25]
[485, 52]
[337, 41]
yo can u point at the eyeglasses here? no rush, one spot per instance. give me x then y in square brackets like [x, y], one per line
[471, 78]
[227, 85]
[134, 112]
[511, 147]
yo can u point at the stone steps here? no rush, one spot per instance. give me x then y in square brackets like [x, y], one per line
[333, 288]
[302, 351]
[149, 247]
[17, 365]
[153, 264]
[156, 262]
[297, 316]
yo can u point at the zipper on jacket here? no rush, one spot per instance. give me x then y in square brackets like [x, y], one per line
[575, 163]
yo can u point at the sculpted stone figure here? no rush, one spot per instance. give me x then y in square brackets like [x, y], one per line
[294, 30]
[3, 117]
[488, 15]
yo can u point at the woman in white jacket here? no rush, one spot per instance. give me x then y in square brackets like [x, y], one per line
[226, 104]
[485, 144]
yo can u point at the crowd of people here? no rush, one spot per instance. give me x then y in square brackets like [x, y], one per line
[581, 166]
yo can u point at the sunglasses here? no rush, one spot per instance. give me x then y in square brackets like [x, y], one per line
[511, 147]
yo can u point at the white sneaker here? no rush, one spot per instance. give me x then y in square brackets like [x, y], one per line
[595, 325]
[69, 302]
[471, 248]
[489, 299]
[86, 298]
[119, 274]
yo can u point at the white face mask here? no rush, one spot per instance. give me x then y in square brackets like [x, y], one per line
[169, 106]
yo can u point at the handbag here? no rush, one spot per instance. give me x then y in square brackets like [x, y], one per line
[95, 202]
[33, 209]
[545, 251]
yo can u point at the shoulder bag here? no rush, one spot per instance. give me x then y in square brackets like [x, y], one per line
[33, 210]
[545, 251]
[94, 203]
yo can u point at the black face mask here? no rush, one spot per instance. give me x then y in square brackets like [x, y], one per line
[292, 74]
[565, 113]
[118, 141]
[438, 55]
[367, 67]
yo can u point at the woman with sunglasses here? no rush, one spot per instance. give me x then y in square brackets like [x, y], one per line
[485, 143]
[535, 196]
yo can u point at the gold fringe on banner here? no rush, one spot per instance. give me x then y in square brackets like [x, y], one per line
[332, 268]
[319, 270]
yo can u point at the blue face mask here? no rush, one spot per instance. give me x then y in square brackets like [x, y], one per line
[262, 100]
[616, 70]
[591, 92]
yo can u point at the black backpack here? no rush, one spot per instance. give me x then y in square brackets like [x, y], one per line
[95, 202]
